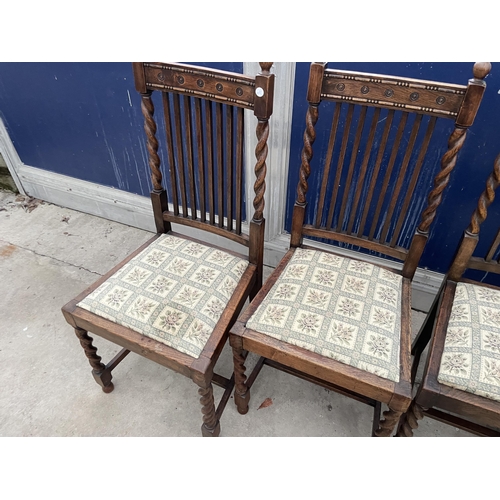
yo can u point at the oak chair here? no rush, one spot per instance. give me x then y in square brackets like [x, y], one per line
[328, 318]
[461, 380]
[175, 298]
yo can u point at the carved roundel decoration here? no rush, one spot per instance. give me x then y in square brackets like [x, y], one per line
[389, 93]
[219, 87]
[441, 100]
[180, 79]
[160, 76]
[414, 96]
[365, 89]
[340, 86]
[200, 83]
[239, 91]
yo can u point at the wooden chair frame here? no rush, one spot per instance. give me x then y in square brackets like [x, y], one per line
[460, 104]
[197, 86]
[476, 414]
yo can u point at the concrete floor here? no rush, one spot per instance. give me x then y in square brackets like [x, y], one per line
[48, 255]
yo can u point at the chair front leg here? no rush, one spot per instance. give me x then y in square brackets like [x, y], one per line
[241, 391]
[101, 375]
[211, 425]
[409, 420]
[386, 426]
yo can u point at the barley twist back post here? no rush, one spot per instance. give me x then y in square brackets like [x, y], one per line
[263, 109]
[486, 198]
[471, 236]
[316, 75]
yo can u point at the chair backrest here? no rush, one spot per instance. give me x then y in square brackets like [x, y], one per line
[464, 258]
[380, 132]
[204, 126]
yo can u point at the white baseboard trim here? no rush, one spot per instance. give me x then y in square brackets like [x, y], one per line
[9, 154]
[135, 210]
[88, 197]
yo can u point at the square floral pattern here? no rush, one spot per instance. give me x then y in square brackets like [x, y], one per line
[471, 356]
[341, 308]
[174, 291]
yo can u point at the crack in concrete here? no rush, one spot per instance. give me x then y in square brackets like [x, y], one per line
[50, 257]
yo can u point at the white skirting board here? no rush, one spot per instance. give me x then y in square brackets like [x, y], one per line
[135, 210]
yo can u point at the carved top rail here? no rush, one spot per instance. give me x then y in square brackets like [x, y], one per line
[433, 98]
[216, 85]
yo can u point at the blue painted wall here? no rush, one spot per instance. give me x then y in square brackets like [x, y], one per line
[80, 119]
[84, 120]
[474, 164]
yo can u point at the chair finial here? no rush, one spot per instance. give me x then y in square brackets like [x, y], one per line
[481, 70]
[265, 67]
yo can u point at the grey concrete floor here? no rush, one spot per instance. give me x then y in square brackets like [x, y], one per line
[48, 255]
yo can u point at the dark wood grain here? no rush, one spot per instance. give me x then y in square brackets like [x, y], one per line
[170, 152]
[200, 141]
[388, 173]
[400, 178]
[229, 168]
[350, 172]
[190, 157]
[328, 162]
[413, 181]
[364, 166]
[210, 159]
[376, 170]
[180, 155]
[219, 148]
[343, 149]
[433, 98]
[239, 168]
[214, 85]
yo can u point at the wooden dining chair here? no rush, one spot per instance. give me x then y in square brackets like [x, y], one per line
[332, 319]
[461, 380]
[175, 298]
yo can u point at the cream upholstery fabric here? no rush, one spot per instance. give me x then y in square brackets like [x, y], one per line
[341, 308]
[471, 357]
[174, 291]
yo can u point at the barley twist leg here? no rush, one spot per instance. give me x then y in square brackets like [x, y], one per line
[210, 426]
[410, 419]
[101, 375]
[241, 391]
[387, 425]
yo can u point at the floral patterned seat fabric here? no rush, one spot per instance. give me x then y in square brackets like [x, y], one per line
[174, 291]
[471, 356]
[341, 308]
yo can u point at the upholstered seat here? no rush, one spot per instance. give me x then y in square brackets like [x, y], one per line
[345, 309]
[174, 291]
[471, 356]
